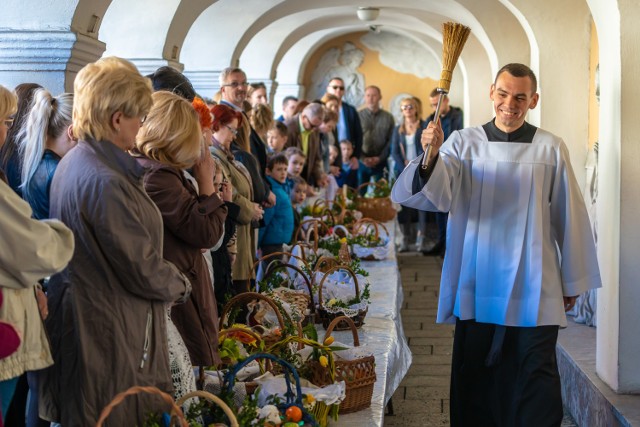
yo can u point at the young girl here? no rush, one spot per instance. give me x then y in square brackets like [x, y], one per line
[298, 193]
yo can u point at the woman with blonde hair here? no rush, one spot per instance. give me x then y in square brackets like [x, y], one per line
[405, 146]
[108, 321]
[47, 137]
[193, 218]
[261, 119]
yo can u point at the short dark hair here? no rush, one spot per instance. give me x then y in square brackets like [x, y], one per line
[172, 80]
[519, 70]
[280, 127]
[336, 78]
[286, 100]
[373, 87]
[434, 93]
[258, 85]
[276, 159]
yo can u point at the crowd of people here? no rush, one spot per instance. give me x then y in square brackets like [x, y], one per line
[133, 209]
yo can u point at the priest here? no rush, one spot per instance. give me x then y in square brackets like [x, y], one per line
[519, 252]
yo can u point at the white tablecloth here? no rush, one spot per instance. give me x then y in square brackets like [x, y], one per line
[383, 335]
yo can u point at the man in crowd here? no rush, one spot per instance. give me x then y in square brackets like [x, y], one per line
[348, 126]
[303, 133]
[520, 251]
[450, 120]
[377, 128]
[289, 104]
[233, 88]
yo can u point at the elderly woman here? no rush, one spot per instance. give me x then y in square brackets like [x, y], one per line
[193, 219]
[405, 146]
[225, 127]
[30, 251]
[107, 309]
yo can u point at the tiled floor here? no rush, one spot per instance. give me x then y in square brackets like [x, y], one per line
[423, 396]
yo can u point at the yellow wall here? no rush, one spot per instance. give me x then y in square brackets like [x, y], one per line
[390, 81]
[594, 107]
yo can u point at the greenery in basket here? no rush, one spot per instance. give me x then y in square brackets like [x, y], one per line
[368, 240]
[365, 296]
[383, 189]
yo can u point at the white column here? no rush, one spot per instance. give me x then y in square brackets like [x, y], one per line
[49, 58]
[204, 82]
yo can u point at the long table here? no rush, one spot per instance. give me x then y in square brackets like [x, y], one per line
[383, 334]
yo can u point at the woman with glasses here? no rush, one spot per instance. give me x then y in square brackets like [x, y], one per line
[225, 128]
[107, 318]
[405, 146]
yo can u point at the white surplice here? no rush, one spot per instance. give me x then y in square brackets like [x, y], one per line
[518, 236]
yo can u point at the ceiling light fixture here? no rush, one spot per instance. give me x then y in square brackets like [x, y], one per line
[368, 13]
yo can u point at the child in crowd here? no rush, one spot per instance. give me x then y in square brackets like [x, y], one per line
[347, 175]
[298, 193]
[277, 137]
[278, 219]
[297, 159]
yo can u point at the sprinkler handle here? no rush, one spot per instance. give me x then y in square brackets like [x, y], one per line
[436, 119]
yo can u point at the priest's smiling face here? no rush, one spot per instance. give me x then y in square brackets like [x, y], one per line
[512, 98]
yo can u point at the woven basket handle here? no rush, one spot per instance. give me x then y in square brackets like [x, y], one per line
[212, 398]
[352, 326]
[119, 398]
[275, 254]
[378, 183]
[245, 298]
[283, 266]
[331, 270]
[369, 222]
[225, 332]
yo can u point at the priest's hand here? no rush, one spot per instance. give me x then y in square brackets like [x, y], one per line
[434, 136]
[569, 302]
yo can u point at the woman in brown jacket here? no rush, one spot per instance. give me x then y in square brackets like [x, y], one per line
[107, 310]
[225, 127]
[170, 141]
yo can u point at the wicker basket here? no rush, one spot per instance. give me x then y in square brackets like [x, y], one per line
[302, 302]
[311, 230]
[379, 208]
[241, 300]
[177, 416]
[328, 317]
[367, 253]
[212, 398]
[359, 375]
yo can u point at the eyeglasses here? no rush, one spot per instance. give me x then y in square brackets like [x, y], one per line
[8, 122]
[236, 84]
[338, 87]
[232, 130]
[406, 107]
[143, 119]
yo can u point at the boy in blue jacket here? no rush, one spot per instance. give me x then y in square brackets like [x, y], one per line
[278, 219]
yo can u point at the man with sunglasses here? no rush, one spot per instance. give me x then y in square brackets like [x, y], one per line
[349, 126]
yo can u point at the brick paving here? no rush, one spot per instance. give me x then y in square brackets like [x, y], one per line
[423, 396]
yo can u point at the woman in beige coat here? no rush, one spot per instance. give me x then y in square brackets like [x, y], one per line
[225, 127]
[30, 250]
